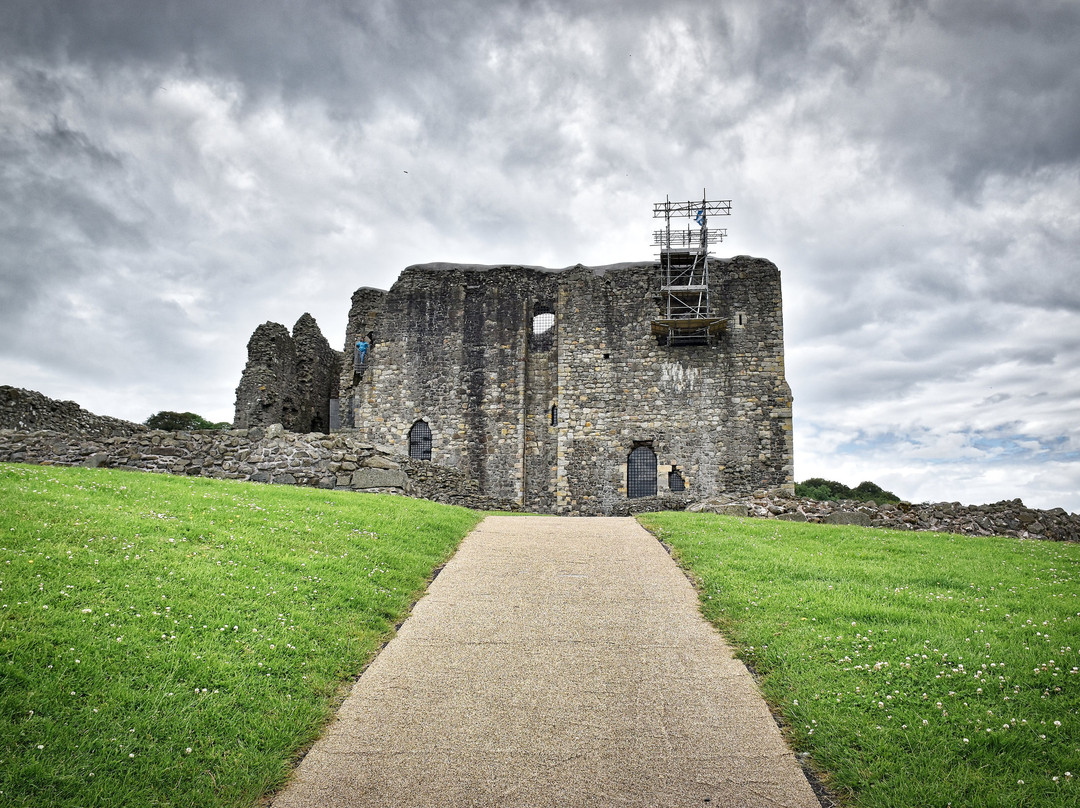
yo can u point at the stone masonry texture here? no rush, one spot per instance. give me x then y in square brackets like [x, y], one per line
[30, 411]
[548, 420]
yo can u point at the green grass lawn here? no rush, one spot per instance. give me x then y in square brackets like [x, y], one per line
[176, 641]
[917, 669]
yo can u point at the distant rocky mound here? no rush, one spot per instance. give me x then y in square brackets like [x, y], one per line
[29, 411]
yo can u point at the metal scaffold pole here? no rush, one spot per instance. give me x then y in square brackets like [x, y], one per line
[684, 269]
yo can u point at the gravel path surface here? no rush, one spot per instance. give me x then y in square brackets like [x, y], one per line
[554, 662]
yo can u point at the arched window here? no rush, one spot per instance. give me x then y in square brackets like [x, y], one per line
[420, 441]
[554, 414]
[641, 473]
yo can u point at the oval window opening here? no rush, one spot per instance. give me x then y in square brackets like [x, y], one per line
[543, 322]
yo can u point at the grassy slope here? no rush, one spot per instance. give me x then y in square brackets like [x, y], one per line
[175, 641]
[918, 669]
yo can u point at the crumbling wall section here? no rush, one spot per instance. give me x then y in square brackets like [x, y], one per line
[268, 392]
[318, 368]
[289, 379]
[363, 321]
[343, 462]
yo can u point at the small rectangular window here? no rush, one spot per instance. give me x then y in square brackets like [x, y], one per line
[676, 483]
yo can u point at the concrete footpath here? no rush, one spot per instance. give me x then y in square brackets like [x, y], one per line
[554, 662]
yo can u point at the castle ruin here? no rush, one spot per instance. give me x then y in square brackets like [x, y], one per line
[565, 391]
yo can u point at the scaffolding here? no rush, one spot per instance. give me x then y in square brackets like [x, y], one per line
[684, 268]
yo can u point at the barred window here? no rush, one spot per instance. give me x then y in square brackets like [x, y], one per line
[641, 473]
[675, 481]
[420, 441]
[543, 329]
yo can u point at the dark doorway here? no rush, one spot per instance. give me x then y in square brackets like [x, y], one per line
[641, 473]
[420, 441]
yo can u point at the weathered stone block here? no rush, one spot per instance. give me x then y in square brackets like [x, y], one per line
[379, 478]
[792, 516]
[379, 462]
[848, 518]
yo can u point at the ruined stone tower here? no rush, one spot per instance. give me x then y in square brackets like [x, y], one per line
[552, 389]
[563, 391]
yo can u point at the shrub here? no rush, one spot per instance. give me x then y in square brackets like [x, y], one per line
[182, 422]
[830, 490]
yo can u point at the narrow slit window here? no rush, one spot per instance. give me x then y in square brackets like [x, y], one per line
[420, 441]
[554, 414]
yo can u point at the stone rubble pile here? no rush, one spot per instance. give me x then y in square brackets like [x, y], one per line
[1005, 518]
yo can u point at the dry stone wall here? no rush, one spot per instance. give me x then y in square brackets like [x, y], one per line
[349, 461]
[266, 455]
[28, 410]
[1005, 518]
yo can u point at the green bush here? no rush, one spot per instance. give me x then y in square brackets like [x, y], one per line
[824, 490]
[182, 422]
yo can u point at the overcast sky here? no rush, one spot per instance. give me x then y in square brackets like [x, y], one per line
[173, 174]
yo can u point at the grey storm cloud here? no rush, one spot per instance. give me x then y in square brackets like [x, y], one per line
[174, 173]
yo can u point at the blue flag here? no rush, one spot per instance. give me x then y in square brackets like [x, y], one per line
[700, 218]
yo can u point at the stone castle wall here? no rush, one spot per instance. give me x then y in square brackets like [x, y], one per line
[548, 420]
[348, 461]
[363, 317]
